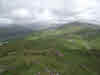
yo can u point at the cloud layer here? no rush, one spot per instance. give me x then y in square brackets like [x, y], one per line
[49, 11]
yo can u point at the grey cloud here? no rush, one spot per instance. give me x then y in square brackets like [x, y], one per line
[63, 11]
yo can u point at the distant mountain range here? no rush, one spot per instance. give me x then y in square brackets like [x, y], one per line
[14, 31]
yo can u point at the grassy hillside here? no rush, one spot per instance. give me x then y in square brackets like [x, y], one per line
[68, 50]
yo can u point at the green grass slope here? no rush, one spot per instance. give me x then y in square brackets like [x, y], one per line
[67, 50]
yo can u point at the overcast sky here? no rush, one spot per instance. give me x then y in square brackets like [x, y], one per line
[52, 11]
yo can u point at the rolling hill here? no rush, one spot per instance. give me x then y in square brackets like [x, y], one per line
[65, 50]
